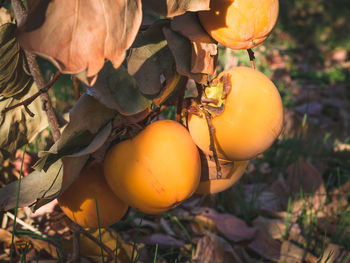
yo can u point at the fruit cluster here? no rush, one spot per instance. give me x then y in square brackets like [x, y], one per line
[235, 118]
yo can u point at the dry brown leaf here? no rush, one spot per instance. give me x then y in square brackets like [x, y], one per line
[302, 176]
[275, 228]
[5, 16]
[204, 58]
[170, 8]
[189, 26]
[212, 248]
[181, 50]
[330, 254]
[163, 240]
[265, 246]
[230, 226]
[204, 48]
[79, 35]
[291, 253]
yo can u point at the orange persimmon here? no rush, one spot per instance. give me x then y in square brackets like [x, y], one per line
[240, 24]
[232, 171]
[251, 119]
[156, 170]
[78, 201]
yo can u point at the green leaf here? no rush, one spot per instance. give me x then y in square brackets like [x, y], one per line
[117, 90]
[13, 79]
[151, 61]
[17, 128]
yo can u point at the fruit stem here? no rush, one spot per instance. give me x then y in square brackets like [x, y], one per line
[251, 57]
[212, 145]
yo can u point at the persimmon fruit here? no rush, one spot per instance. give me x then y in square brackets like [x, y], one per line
[232, 171]
[156, 170]
[78, 201]
[240, 24]
[251, 119]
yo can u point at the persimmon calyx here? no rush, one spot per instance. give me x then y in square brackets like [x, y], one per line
[213, 99]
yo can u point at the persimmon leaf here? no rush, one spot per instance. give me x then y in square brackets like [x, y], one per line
[204, 48]
[151, 61]
[13, 79]
[181, 49]
[170, 8]
[117, 90]
[17, 128]
[78, 35]
[88, 119]
[41, 187]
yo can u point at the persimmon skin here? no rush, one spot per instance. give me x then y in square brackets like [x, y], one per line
[252, 118]
[156, 170]
[240, 24]
[217, 186]
[78, 201]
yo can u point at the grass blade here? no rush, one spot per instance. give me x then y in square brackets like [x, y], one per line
[99, 229]
[16, 208]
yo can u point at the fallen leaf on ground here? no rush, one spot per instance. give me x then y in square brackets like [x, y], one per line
[212, 248]
[265, 246]
[230, 226]
[291, 253]
[302, 176]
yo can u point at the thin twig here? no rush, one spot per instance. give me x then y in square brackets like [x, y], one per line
[29, 100]
[76, 246]
[212, 144]
[21, 16]
[251, 57]
[180, 103]
[76, 87]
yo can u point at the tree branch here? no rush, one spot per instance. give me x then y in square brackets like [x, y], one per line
[21, 16]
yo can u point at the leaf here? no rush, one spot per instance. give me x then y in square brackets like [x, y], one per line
[5, 16]
[170, 8]
[17, 128]
[163, 240]
[230, 226]
[151, 61]
[117, 90]
[304, 177]
[181, 49]
[189, 26]
[204, 48]
[83, 134]
[291, 253]
[78, 35]
[265, 246]
[212, 248]
[13, 78]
